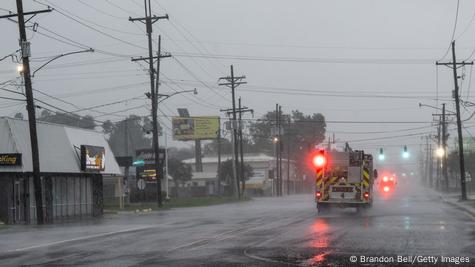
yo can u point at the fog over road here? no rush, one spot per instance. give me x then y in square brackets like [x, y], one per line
[263, 232]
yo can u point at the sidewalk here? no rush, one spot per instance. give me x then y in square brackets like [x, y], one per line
[454, 200]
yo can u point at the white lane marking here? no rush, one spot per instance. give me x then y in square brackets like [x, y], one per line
[79, 239]
[206, 240]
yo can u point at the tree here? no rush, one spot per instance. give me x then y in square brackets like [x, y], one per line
[86, 122]
[453, 163]
[260, 132]
[182, 153]
[226, 172]
[107, 127]
[179, 171]
[19, 115]
[212, 147]
[127, 136]
[301, 134]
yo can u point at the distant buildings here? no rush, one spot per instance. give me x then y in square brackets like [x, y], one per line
[262, 181]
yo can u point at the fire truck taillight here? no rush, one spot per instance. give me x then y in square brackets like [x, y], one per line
[318, 195]
[385, 179]
[386, 189]
[366, 195]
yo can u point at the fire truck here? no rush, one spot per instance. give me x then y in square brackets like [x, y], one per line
[343, 179]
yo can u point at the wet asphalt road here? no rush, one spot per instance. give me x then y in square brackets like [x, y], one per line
[263, 232]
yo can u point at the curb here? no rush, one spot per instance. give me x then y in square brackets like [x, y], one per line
[468, 210]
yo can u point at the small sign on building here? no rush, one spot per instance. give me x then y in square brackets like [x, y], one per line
[10, 159]
[93, 158]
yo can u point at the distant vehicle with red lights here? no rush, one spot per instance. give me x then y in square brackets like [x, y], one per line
[387, 183]
[343, 179]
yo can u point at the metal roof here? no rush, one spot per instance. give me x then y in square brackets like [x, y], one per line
[59, 146]
[247, 157]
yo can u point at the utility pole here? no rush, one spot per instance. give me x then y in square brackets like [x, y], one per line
[241, 151]
[281, 184]
[454, 65]
[233, 82]
[288, 158]
[444, 146]
[428, 171]
[149, 20]
[439, 144]
[240, 110]
[235, 164]
[277, 149]
[30, 105]
[431, 163]
[219, 159]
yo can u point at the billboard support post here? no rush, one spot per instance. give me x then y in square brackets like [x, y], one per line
[198, 162]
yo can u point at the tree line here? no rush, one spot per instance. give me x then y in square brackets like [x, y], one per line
[301, 133]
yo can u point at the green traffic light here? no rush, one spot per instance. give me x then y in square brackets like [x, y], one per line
[405, 153]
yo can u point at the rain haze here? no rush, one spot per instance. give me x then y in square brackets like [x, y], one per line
[369, 67]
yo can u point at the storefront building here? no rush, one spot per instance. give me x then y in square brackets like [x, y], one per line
[73, 163]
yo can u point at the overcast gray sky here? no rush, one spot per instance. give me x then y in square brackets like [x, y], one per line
[366, 60]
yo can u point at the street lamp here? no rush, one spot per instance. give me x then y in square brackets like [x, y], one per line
[20, 69]
[90, 50]
[440, 152]
[166, 96]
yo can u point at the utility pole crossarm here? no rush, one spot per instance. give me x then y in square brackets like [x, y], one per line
[154, 18]
[451, 64]
[27, 13]
[142, 58]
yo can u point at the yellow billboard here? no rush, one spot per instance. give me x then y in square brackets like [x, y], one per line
[195, 128]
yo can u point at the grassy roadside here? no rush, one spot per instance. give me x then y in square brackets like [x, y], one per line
[2, 226]
[176, 203]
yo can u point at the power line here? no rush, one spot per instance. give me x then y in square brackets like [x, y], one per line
[101, 11]
[9, 98]
[266, 91]
[382, 61]
[203, 83]
[453, 32]
[413, 91]
[381, 132]
[389, 137]
[58, 9]
[204, 103]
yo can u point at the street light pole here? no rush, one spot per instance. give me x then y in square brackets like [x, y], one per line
[444, 146]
